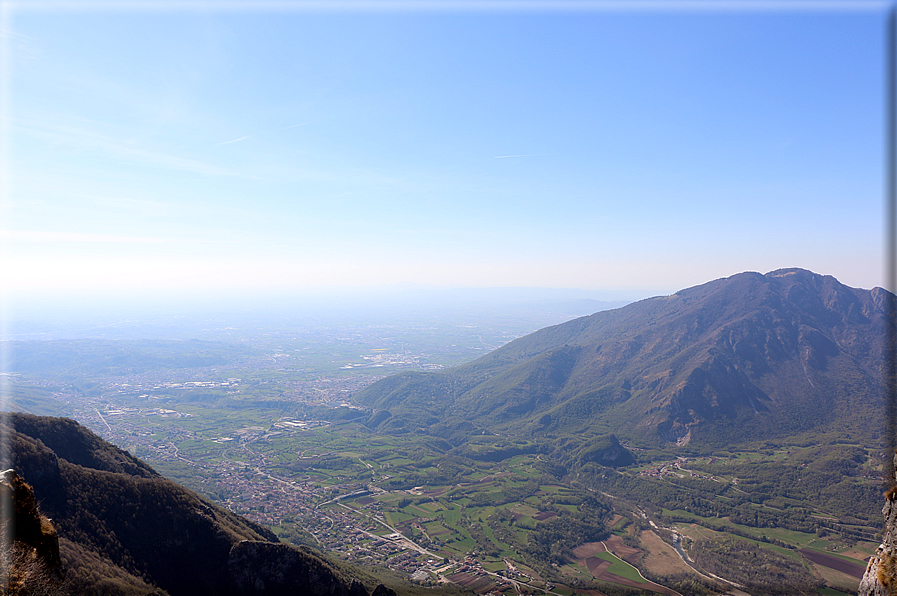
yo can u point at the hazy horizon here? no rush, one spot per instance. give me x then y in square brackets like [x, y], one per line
[159, 154]
[204, 316]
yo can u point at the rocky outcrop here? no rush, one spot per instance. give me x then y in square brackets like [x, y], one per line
[127, 530]
[880, 578]
[29, 545]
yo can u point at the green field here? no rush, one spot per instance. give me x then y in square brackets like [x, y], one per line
[621, 568]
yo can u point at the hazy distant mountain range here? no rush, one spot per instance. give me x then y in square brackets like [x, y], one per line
[745, 357]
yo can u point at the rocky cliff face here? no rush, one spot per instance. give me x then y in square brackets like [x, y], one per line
[880, 578]
[29, 545]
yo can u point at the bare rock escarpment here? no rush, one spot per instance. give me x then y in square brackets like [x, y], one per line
[880, 578]
[29, 545]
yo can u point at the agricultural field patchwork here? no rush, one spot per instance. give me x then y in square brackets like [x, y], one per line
[501, 513]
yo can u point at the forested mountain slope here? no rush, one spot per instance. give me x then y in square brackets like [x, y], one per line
[750, 355]
[124, 529]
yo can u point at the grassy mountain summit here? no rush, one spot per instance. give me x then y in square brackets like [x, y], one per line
[747, 356]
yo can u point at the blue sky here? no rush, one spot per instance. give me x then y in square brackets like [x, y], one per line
[175, 152]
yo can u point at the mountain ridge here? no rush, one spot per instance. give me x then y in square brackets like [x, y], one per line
[780, 348]
[124, 529]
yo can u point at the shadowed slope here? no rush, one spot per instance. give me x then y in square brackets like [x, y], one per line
[148, 533]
